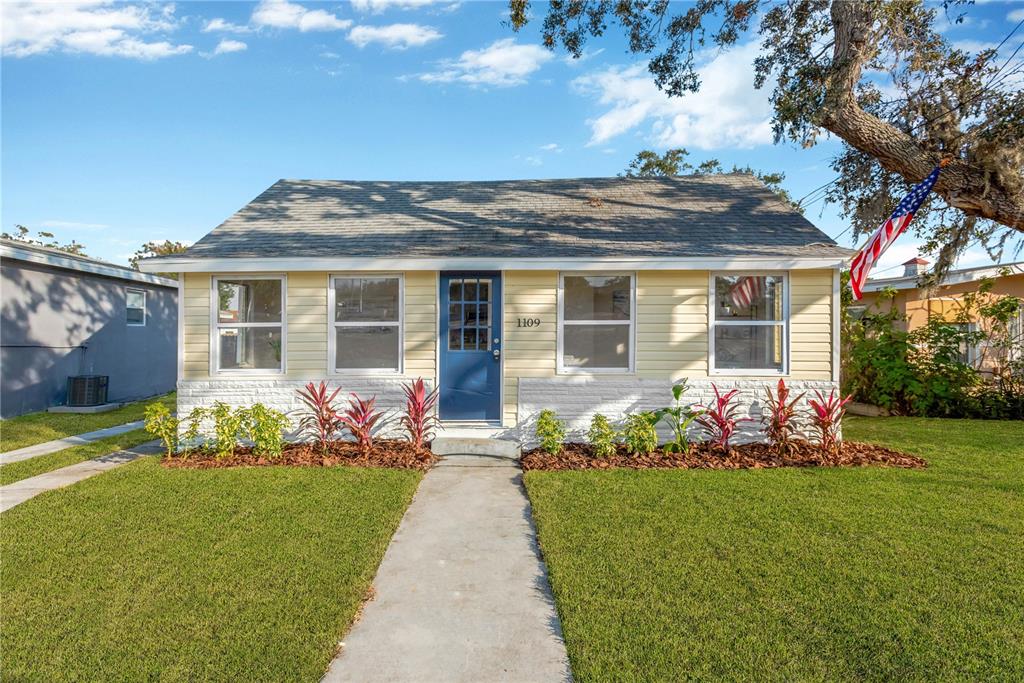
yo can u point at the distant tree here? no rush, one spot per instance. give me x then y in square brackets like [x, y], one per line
[648, 164]
[47, 240]
[165, 248]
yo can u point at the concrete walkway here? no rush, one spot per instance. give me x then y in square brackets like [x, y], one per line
[20, 491]
[68, 441]
[462, 594]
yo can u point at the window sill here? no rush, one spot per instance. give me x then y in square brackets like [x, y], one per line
[748, 373]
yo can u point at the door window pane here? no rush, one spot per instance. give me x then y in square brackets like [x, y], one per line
[250, 348]
[748, 297]
[249, 301]
[366, 299]
[455, 290]
[597, 297]
[469, 339]
[454, 339]
[596, 346]
[748, 347]
[469, 290]
[367, 348]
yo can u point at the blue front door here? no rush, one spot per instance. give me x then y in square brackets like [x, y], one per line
[470, 346]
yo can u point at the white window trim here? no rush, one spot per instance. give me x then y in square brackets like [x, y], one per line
[216, 325]
[712, 323]
[562, 322]
[144, 307]
[332, 369]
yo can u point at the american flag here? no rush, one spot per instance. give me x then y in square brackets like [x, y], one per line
[868, 256]
[746, 290]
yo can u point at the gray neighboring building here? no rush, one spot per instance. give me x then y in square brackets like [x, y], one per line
[65, 315]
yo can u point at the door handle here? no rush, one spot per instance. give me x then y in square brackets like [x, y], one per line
[497, 354]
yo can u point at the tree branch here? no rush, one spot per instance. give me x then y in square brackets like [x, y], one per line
[962, 185]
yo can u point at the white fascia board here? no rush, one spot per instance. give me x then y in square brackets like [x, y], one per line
[284, 264]
[953, 278]
[92, 267]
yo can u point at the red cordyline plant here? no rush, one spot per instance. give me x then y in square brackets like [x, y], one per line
[719, 420]
[827, 415]
[779, 418]
[359, 419]
[320, 417]
[419, 419]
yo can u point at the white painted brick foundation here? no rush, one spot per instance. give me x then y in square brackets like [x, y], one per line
[575, 400]
[280, 394]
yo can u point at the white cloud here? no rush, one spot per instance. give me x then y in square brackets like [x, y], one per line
[395, 36]
[502, 63]
[973, 46]
[378, 6]
[529, 160]
[73, 225]
[226, 46]
[727, 111]
[1016, 15]
[284, 14]
[224, 26]
[91, 26]
[551, 147]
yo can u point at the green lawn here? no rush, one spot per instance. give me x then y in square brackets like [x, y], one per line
[16, 471]
[799, 574]
[27, 430]
[147, 573]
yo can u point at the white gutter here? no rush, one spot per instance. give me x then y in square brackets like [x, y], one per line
[32, 256]
[286, 264]
[956, 277]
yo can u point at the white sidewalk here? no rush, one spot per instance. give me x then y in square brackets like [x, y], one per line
[462, 595]
[67, 442]
[20, 491]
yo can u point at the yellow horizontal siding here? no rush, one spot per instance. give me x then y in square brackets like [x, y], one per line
[671, 326]
[528, 351]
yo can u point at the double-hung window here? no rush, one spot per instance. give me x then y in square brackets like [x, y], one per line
[597, 315]
[135, 307]
[249, 324]
[748, 324]
[366, 323]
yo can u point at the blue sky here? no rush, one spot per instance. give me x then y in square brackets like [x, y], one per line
[123, 123]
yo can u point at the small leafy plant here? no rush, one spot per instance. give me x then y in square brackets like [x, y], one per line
[160, 423]
[602, 436]
[779, 418]
[192, 435]
[265, 428]
[359, 419]
[827, 416]
[227, 424]
[679, 418]
[319, 418]
[419, 419]
[550, 432]
[719, 420]
[639, 433]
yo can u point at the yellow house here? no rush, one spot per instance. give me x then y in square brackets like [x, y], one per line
[582, 295]
[917, 303]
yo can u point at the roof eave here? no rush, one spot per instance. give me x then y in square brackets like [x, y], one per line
[91, 267]
[292, 264]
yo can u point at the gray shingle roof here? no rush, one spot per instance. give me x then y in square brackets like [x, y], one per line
[686, 216]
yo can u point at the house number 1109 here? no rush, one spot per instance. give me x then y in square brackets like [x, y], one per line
[527, 322]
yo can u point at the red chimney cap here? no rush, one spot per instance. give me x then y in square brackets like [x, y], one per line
[917, 260]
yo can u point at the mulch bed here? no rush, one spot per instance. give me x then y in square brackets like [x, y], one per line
[385, 453]
[580, 456]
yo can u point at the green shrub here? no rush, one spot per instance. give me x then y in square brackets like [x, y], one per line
[265, 428]
[679, 418]
[227, 426]
[550, 432]
[639, 434]
[602, 436]
[192, 435]
[160, 423]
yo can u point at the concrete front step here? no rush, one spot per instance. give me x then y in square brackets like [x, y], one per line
[457, 445]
